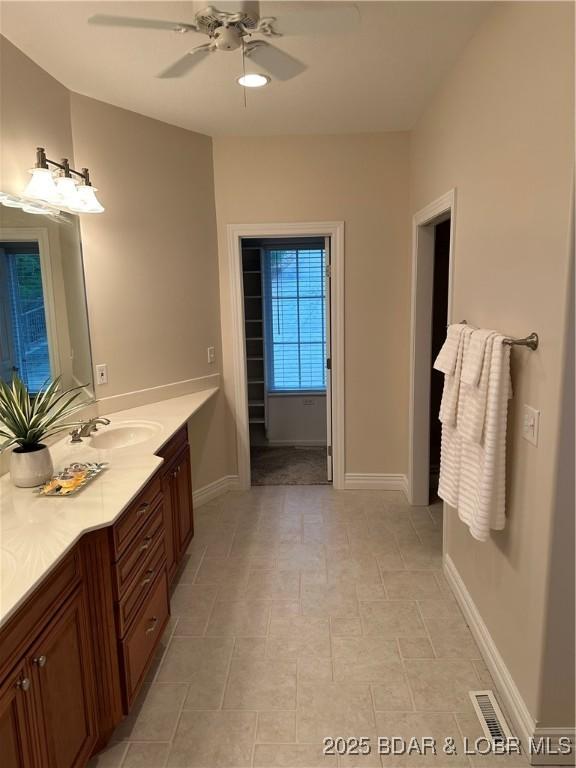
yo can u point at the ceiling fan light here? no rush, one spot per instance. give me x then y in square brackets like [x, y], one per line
[41, 186]
[87, 200]
[253, 80]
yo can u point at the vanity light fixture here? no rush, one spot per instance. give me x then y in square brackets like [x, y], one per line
[61, 187]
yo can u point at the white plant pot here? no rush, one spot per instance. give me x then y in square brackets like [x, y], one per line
[30, 468]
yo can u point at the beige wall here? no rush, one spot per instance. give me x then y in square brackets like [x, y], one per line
[151, 258]
[361, 180]
[35, 112]
[501, 132]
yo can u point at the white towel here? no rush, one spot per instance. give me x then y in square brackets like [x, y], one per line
[446, 360]
[453, 351]
[472, 365]
[482, 465]
[473, 386]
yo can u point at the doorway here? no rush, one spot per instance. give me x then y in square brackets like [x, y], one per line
[432, 266]
[286, 286]
[439, 324]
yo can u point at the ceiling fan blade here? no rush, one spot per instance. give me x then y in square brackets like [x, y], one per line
[104, 20]
[186, 63]
[315, 18]
[273, 60]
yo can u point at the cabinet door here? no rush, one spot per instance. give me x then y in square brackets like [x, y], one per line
[15, 721]
[64, 687]
[183, 482]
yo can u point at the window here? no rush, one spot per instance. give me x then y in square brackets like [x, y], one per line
[294, 292]
[23, 334]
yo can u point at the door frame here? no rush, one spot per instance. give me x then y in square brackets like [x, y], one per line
[423, 223]
[235, 234]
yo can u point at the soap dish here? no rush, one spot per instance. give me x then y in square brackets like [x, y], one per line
[72, 479]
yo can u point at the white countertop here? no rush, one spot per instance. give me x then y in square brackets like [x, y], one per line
[37, 531]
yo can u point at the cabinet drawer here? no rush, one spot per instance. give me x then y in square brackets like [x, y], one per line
[141, 585]
[131, 562]
[135, 516]
[140, 643]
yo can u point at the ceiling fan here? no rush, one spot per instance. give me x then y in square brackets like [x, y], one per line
[235, 28]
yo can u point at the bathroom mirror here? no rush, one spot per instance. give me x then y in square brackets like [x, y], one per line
[43, 316]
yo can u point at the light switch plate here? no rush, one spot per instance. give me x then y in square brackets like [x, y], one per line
[102, 374]
[211, 354]
[530, 424]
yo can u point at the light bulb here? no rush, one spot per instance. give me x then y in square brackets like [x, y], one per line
[41, 186]
[253, 81]
[87, 200]
[66, 193]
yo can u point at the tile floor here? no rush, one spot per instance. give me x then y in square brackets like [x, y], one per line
[303, 613]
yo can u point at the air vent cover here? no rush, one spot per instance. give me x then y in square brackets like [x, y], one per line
[492, 720]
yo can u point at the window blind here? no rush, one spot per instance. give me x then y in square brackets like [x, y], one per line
[294, 292]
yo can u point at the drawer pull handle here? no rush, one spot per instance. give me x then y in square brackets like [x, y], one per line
[150, 575]
[143, 508]
[40, 661]
[152, 627]
[146, 544]
[23, 684]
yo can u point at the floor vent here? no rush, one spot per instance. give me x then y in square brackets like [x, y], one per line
[492, 720]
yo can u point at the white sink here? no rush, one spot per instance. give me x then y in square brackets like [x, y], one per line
[123, 434]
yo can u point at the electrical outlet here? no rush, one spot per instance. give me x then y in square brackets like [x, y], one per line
[530, 424]
[211, 354]
[102, 374]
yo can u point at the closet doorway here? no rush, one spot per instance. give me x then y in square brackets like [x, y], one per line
[432, 267]
[286, 284]
[287, 292]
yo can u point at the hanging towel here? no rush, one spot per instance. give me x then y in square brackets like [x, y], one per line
[446, 360]
[450, 460]
[473, 387]
[482, 468]
[449, 361]
[472, 365]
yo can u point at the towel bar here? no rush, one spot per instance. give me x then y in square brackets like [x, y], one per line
[530, 341]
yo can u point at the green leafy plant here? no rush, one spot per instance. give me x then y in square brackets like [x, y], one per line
[26, 421]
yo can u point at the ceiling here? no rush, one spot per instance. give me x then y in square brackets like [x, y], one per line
[377, 75]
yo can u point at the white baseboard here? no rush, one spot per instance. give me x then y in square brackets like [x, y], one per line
[523, 724]
[375, 482]
[213, 490]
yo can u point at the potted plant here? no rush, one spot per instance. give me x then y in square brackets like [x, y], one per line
[26, 420]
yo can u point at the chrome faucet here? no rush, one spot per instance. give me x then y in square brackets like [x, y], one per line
[86, 429]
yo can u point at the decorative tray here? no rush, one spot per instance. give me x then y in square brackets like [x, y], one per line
[72, 479]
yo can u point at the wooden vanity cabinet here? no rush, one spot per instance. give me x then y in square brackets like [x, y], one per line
[47, 701]
[16, 740]
[177, 488]
[62, 681]
[74, 656]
